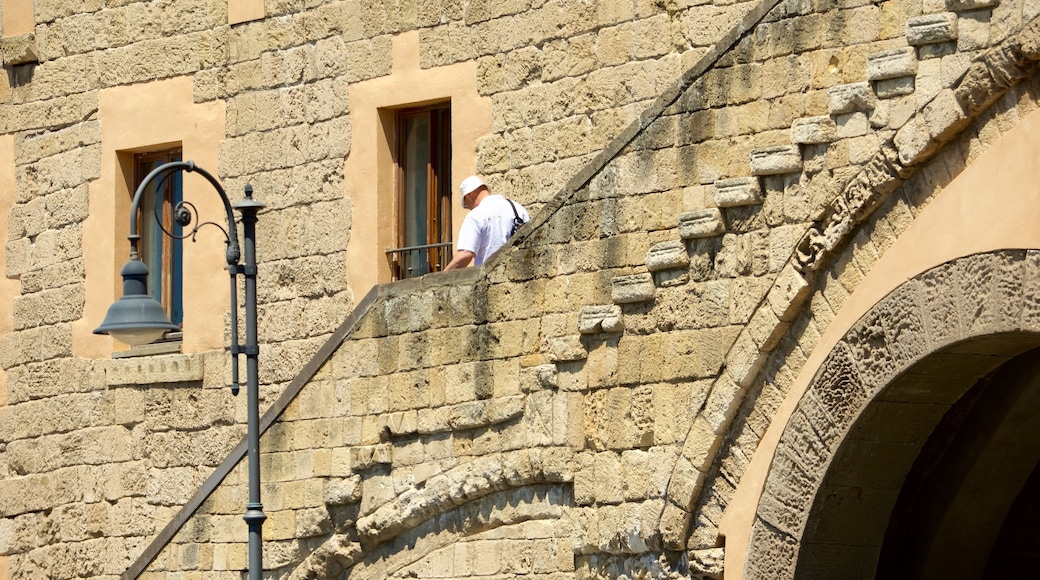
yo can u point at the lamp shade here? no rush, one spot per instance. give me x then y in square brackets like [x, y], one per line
[136, 318]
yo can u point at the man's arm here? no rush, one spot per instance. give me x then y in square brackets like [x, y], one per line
[461, 260]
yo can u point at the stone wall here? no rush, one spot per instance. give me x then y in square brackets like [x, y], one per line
[583, 406]
[90, 474]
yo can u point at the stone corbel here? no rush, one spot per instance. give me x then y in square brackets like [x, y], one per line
[596, 319]
[20, 49]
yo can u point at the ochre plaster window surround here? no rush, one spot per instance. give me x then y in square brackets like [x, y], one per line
[371, 171]
[129, 126]
[18, 17]
[240, 11]
[422, 162]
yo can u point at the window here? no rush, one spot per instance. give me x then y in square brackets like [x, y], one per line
[423, 164]
[161, 253]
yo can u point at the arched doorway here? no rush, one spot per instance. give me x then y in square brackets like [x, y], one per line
[934, 371]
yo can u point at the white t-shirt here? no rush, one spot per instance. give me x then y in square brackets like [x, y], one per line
[486, 228]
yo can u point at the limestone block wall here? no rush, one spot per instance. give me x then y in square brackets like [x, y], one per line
[81, 441]
[611, 374]
[586, 404]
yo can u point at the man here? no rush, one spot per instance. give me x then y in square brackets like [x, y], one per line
[487, 226]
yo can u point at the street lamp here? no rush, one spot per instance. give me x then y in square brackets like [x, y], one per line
[137, 318]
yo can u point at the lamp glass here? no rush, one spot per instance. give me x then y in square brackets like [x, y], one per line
[137, 336]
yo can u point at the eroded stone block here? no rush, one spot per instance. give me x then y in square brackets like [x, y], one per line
[931, 29]
[567, 348]
[363, 457]
[20, 49]
[891, 64]
[596, 319]
[963, 5]
[892, 88]
[703, 223]
[851, 97]
[537, 378]
[813, 130]
[741, 190]
[776, 160]
[177, 368]
[634, 288]
[667, 256]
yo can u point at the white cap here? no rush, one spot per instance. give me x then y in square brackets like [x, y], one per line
[470, 184]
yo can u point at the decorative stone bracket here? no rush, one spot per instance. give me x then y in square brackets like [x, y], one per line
[596, 319]
[632, 289]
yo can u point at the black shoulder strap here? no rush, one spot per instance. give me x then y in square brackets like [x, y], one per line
[517, 220]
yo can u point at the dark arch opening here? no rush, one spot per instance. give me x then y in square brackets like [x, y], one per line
[913, 484]
[969, 506]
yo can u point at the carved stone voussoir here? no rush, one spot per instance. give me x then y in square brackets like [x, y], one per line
[596, 319]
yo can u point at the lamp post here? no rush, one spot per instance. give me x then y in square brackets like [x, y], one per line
[137, 318]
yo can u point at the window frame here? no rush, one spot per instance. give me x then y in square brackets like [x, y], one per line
[170, 273]
[438, 223]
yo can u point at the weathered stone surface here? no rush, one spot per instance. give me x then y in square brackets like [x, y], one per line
[466, 402]
[20, 49]
[633, 288]
[742, 190]
[813, 130]
[965, 5]
[567, 348]
[931, 29]
[667, 256]
[851, 97]
[776, 160]
[596, 319]
[891, 64]
[158, 369]
[703, 223]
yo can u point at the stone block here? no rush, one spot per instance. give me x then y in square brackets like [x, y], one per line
[891, 64]
[20, 49]
[944, 116]
[631, 289]
[965, 5]
[596, 319]
[813, 130]
[851, 97]
[667, 256]
[567, 348]
[787, 294]
[914, 142]
[776, 160]
[892, 88]
[703, 223]
[176, 368]
[742, 190]
[931, 29]
[538, 378]
[363, 457]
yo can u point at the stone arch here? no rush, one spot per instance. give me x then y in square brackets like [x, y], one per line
[907, 361]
